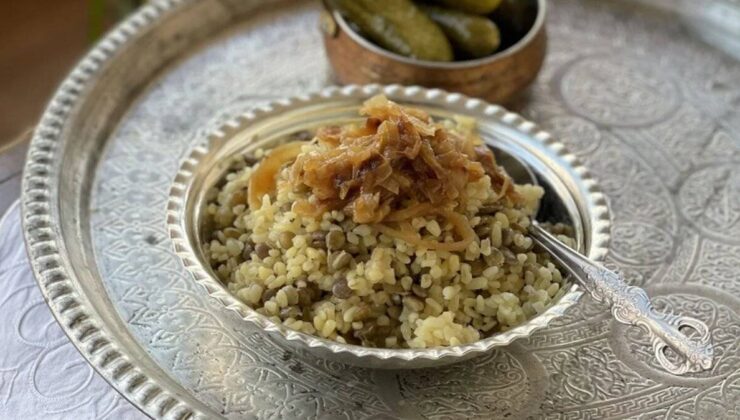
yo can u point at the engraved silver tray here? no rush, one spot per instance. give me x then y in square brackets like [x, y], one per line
[650, 109]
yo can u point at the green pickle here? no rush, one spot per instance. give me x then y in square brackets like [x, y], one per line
[398, 26]
[478, 7]
[474, 36]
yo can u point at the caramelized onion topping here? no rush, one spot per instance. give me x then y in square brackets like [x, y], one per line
[264, 176]
[399, 164]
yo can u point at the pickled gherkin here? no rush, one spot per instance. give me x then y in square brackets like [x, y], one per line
[398, 26]
[474, 36]
[479, 7]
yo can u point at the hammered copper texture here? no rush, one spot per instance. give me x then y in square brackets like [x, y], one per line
[654, 113]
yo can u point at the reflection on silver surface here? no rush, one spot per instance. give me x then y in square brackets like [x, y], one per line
[652, 111]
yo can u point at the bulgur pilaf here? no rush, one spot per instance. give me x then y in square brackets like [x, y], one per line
[401, 232]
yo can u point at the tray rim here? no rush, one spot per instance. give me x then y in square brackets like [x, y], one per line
[43, 239]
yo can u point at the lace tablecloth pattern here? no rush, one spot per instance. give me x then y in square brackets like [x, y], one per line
[42, 376]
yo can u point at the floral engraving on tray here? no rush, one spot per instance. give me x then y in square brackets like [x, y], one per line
[498, 386]
[41, 373]
[640, 243]
[616, 92]
[677, 140]
[710, 199]
[583, 376]
[682, 261]
[581, 135]
[722, 147]
[717, 266]
[718, 402]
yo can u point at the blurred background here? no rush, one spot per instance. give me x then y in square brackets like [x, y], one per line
[40, 40]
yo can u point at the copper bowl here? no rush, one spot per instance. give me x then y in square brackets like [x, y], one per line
[497, 78]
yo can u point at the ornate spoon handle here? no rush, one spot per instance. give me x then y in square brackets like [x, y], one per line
[631, 305]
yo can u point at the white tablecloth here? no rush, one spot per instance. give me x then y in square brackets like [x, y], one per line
[42, 376]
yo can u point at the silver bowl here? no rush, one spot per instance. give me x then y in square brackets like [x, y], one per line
[569, 186]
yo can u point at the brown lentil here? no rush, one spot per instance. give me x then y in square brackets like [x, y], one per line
[490, 209]
[262, 250]
[509, 256]
[362, 313]
[483, 230]
[394, 312]
[419, 291]
[269, 294]
[286, 240]
[239, 197]
[291, 312]
[496, 258]
[308, 294]
[477, 267]
[231, 233]
[318, 240]
[337, 261]
[517, 227]
[340, 288]
[507, 236]
[335, 239]
[373, 335]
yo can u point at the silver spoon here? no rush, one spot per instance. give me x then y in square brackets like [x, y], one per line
[629, 304]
